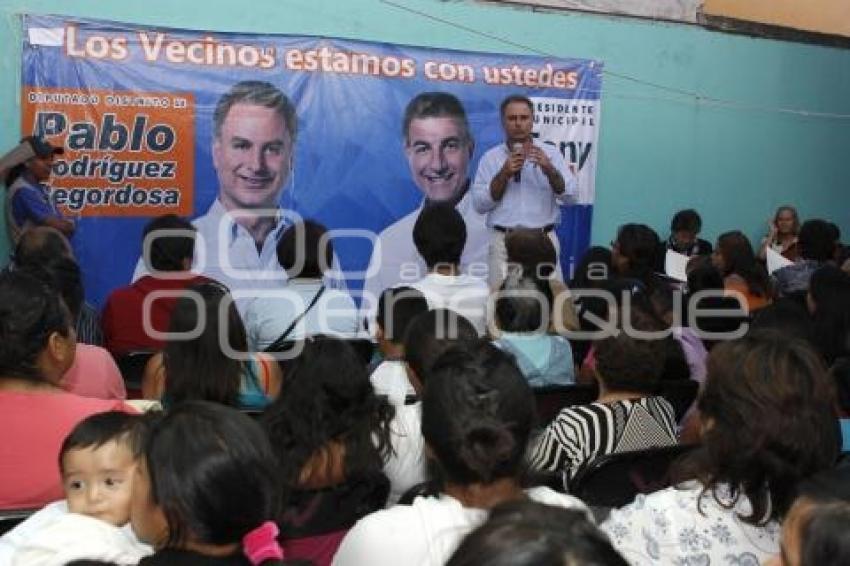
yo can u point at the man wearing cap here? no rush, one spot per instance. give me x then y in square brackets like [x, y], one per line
[520, 184]
[28, 201]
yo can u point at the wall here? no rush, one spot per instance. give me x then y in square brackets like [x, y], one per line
[659, 150]
[671, 10]
[823, 16]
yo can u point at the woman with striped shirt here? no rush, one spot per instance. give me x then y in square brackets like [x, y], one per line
[625, 417]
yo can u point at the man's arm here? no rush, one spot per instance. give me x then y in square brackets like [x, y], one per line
[511, 166]
[499, 183]
[28, 204]
[556, 179]
[64, 225]
[569, 193]
[491, 180]
[481, 199]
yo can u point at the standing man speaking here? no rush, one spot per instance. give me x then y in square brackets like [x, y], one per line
[520, 184]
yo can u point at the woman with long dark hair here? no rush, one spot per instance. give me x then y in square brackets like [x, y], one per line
[206, 357]
[206, 491]
[735, 259]
[331, 434]
[634, 254]
[477, 413]
[768, 421]
[828, 302]
[37, 347]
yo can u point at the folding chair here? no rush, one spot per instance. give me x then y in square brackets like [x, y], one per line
[132, 367]
[613, 480]
[680, 393]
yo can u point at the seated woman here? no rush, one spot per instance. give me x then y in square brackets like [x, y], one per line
[627, 416]
[828, 302]
[591, 277]
[200, 367]
[332, 437]
[816, 243]
[206, 491]
[94, 372]
[664, 303]
[533, 252]
[426, 338]
[708, 309]
[304, 306]
[742, 274]
[782, 233]
[37, 346]
[477, 412]
[685, 227]
[627, 301]
[768, 421]
[522, 308]
[634, 255]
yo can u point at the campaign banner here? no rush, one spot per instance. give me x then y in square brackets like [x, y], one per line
[159, 121]
[122, 156]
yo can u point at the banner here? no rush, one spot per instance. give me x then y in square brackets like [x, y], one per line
[135, 108]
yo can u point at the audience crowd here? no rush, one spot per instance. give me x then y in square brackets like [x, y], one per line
[175, 428]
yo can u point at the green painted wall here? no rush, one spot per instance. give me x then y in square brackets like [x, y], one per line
[659, 151]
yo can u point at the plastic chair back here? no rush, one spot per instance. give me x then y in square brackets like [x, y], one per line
[132, 367]
[614, 480]
[680, 393]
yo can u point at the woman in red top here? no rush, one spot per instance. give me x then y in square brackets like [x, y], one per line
[37, 346]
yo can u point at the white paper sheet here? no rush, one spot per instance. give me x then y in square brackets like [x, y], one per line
[776, 260]
[676, 265]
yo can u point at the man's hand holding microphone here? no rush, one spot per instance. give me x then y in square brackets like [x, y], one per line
[520, 152]
[512, 168]
[515, 161]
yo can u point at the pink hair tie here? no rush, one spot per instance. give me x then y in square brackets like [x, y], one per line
[261, 544]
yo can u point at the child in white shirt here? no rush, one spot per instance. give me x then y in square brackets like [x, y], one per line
[97, 463]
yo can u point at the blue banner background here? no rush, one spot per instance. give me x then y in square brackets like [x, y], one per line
[350, 168]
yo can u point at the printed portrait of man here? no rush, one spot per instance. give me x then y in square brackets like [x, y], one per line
[439, 146]
[254, 131]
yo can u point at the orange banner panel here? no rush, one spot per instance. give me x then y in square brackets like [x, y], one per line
[127, 153]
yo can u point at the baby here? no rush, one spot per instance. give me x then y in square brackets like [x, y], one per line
[97, 463]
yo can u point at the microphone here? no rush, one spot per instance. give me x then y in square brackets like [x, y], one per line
[517, 148]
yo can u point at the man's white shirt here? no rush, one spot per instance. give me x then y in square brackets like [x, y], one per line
[529, 202]
[226, 252]
[395, 260]
[463, 294]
